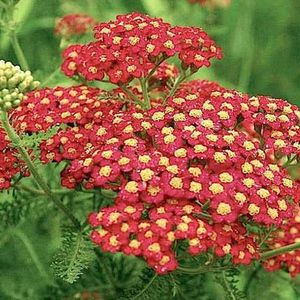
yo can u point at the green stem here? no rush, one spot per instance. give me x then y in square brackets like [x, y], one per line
[279, 251]
[144, 86]
[40, 192]
[145, 288]
[156, 67]
[132, 95]
[270, 231]
[202, 269]
[18, 51]
[29, 189]
[224, 283]
[51, 76]
[16, 141]
[28, 245]
[183, 76]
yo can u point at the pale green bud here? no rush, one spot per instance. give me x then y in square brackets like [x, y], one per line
[7, 105]
[7, 98]
[5, 92]
[3, 82]
[14, 84]
[16, 103]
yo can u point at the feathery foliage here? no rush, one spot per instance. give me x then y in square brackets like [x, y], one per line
[228, 280]
[75, 255]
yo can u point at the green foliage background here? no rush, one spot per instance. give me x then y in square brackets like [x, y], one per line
[261, 47]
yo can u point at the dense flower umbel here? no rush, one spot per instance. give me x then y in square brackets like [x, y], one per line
[77, 105]
[185, 171]
[130, 47]
[200, 165]
[289, 233]
[73, 25]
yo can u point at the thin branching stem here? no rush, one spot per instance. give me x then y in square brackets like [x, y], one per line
[132, 95]
[279, 251]
[50, 77]
[18, 51]
[30, 249]
[145, 288]
[182, 77]
[161, 60]
[224, 282]
[202, 269]
[144, 86]
[16, 142]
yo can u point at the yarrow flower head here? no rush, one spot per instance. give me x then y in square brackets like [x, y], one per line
[133, 44]
[192, 171]
[73, 25]
[14, 83]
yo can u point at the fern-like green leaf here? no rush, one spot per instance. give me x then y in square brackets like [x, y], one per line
[151, 286]
[15, 210]
[75, 255]
[32, 141]
[228, 280]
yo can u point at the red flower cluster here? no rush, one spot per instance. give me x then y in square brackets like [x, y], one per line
[124, 228]
[74, 106]
[73, 25]
[197, 169]
[9, 163]
[289, 233]
[133, 44]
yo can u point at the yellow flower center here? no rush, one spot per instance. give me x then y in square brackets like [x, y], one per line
[225, 177]
[176, 183]
[223, 209]
[200, 148]
[131, 187]
[195, 187]
[155, 247]
[105, 171]
[240, 197]
[219, 157]
[146, 174]
[247, 168]
[135, 244]
[263, 193]
[216, 188]
[253, 209]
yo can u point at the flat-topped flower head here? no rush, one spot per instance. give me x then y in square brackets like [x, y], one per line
[195, 166]
[74, 25]
[131, 46]
[181, 171]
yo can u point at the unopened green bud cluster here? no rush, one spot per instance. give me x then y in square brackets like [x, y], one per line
[14, 83]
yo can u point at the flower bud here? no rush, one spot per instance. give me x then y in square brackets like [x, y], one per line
[14, 84]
